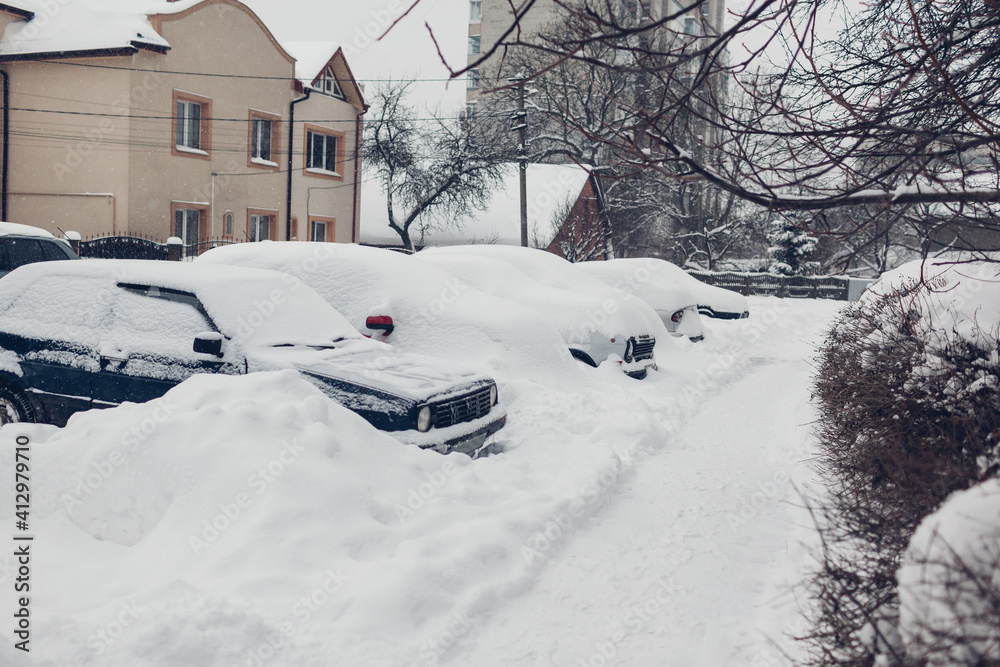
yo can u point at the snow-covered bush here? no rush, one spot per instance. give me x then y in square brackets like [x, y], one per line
[908, 389]
[949, 584]
[791, 249]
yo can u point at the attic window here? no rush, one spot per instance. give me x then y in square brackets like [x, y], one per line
[328, 84]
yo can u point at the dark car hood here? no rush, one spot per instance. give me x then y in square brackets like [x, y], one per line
[382, 368]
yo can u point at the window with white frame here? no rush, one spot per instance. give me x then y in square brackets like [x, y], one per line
[187, 224]
[190, 116]
[260, 139]
[318, 231]
[475, 44]
[321, 152]
[472, 79]
[475, 11]
[328, 84]
[260, 227]
[227, 226]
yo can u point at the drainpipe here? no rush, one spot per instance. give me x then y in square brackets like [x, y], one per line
[355, 223]
[6, 145]
[291, 140]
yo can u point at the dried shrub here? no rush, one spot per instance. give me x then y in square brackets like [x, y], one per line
[909, 413]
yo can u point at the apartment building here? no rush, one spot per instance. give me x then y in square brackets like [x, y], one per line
[489, 20]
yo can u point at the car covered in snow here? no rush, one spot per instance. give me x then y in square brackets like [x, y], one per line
[412, 305]
[596, 322]
[24, 244]
[95, 334]
[674, 303]
[658, 283]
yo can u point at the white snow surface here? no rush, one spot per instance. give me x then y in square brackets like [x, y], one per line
[576, 303]
[433, 312]
[960, 299]
[82, 25]
[250, 520]
[24, 230]
[949, 566]
[311, 58]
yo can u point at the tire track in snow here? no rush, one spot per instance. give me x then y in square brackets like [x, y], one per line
[682, 567]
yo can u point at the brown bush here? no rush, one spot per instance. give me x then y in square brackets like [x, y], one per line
[909, 413]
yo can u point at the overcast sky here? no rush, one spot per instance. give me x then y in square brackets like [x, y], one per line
[407, 52]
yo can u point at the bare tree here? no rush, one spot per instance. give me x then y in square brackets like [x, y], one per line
[899, 112]
[430, 170]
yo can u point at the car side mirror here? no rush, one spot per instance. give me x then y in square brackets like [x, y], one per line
[381, 323]
[208, 343]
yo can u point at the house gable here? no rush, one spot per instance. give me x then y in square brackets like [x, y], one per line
[158, 19]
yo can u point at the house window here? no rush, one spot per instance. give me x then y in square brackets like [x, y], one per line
[189, 225]
[475, 42]
[472, 80]
[264, 139]
[318, 232]
[191, 124]
[260, 146]
[476, 11]
[227, 224]
[323, 152]
[329, 85]
[470, 109]
[261, 226]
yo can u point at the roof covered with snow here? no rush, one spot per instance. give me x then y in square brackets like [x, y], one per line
[87, 25]
[311, 58]
[550, 187]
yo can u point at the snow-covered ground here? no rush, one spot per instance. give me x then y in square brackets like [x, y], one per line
[251, 521]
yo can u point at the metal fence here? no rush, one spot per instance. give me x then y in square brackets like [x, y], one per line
[793, 287]
[141, 247]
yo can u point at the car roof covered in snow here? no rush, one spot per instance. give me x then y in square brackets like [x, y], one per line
[260, 307]
[16, 228]
[433, 311]
[577, 305]
[658, 281]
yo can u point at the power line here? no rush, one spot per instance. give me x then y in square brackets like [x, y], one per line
[252, 77]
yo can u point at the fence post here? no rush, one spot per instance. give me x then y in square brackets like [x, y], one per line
[74, 239]
[174, 248]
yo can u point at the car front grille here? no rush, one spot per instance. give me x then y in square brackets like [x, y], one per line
[463, 409]
[642, 348]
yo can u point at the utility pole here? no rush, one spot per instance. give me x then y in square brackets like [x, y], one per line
[520, 123]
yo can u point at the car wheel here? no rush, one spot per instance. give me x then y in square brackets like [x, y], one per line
[14, 407]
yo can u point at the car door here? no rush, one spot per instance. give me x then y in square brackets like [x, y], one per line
[54, 329]
[148, 347]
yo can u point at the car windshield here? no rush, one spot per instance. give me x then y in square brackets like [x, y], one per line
[269, 312]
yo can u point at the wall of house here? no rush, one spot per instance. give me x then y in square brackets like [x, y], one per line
[69, 170]
[218, 39]
[318, 196]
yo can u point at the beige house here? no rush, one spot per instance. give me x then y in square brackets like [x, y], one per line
[177, 121]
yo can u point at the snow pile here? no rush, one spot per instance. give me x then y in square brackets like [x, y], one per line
[250, 520]
[576, 303]
[949, 583]
[433, 312]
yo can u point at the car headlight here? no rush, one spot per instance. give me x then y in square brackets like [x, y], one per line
[493, 395]
[677, 317]
[629, 349]
[424, 419]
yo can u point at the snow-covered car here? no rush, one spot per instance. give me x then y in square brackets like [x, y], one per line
[673, 302]
[410, 304]
[95, 334]
[24, 244]
[596, 322]
[652, 280]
